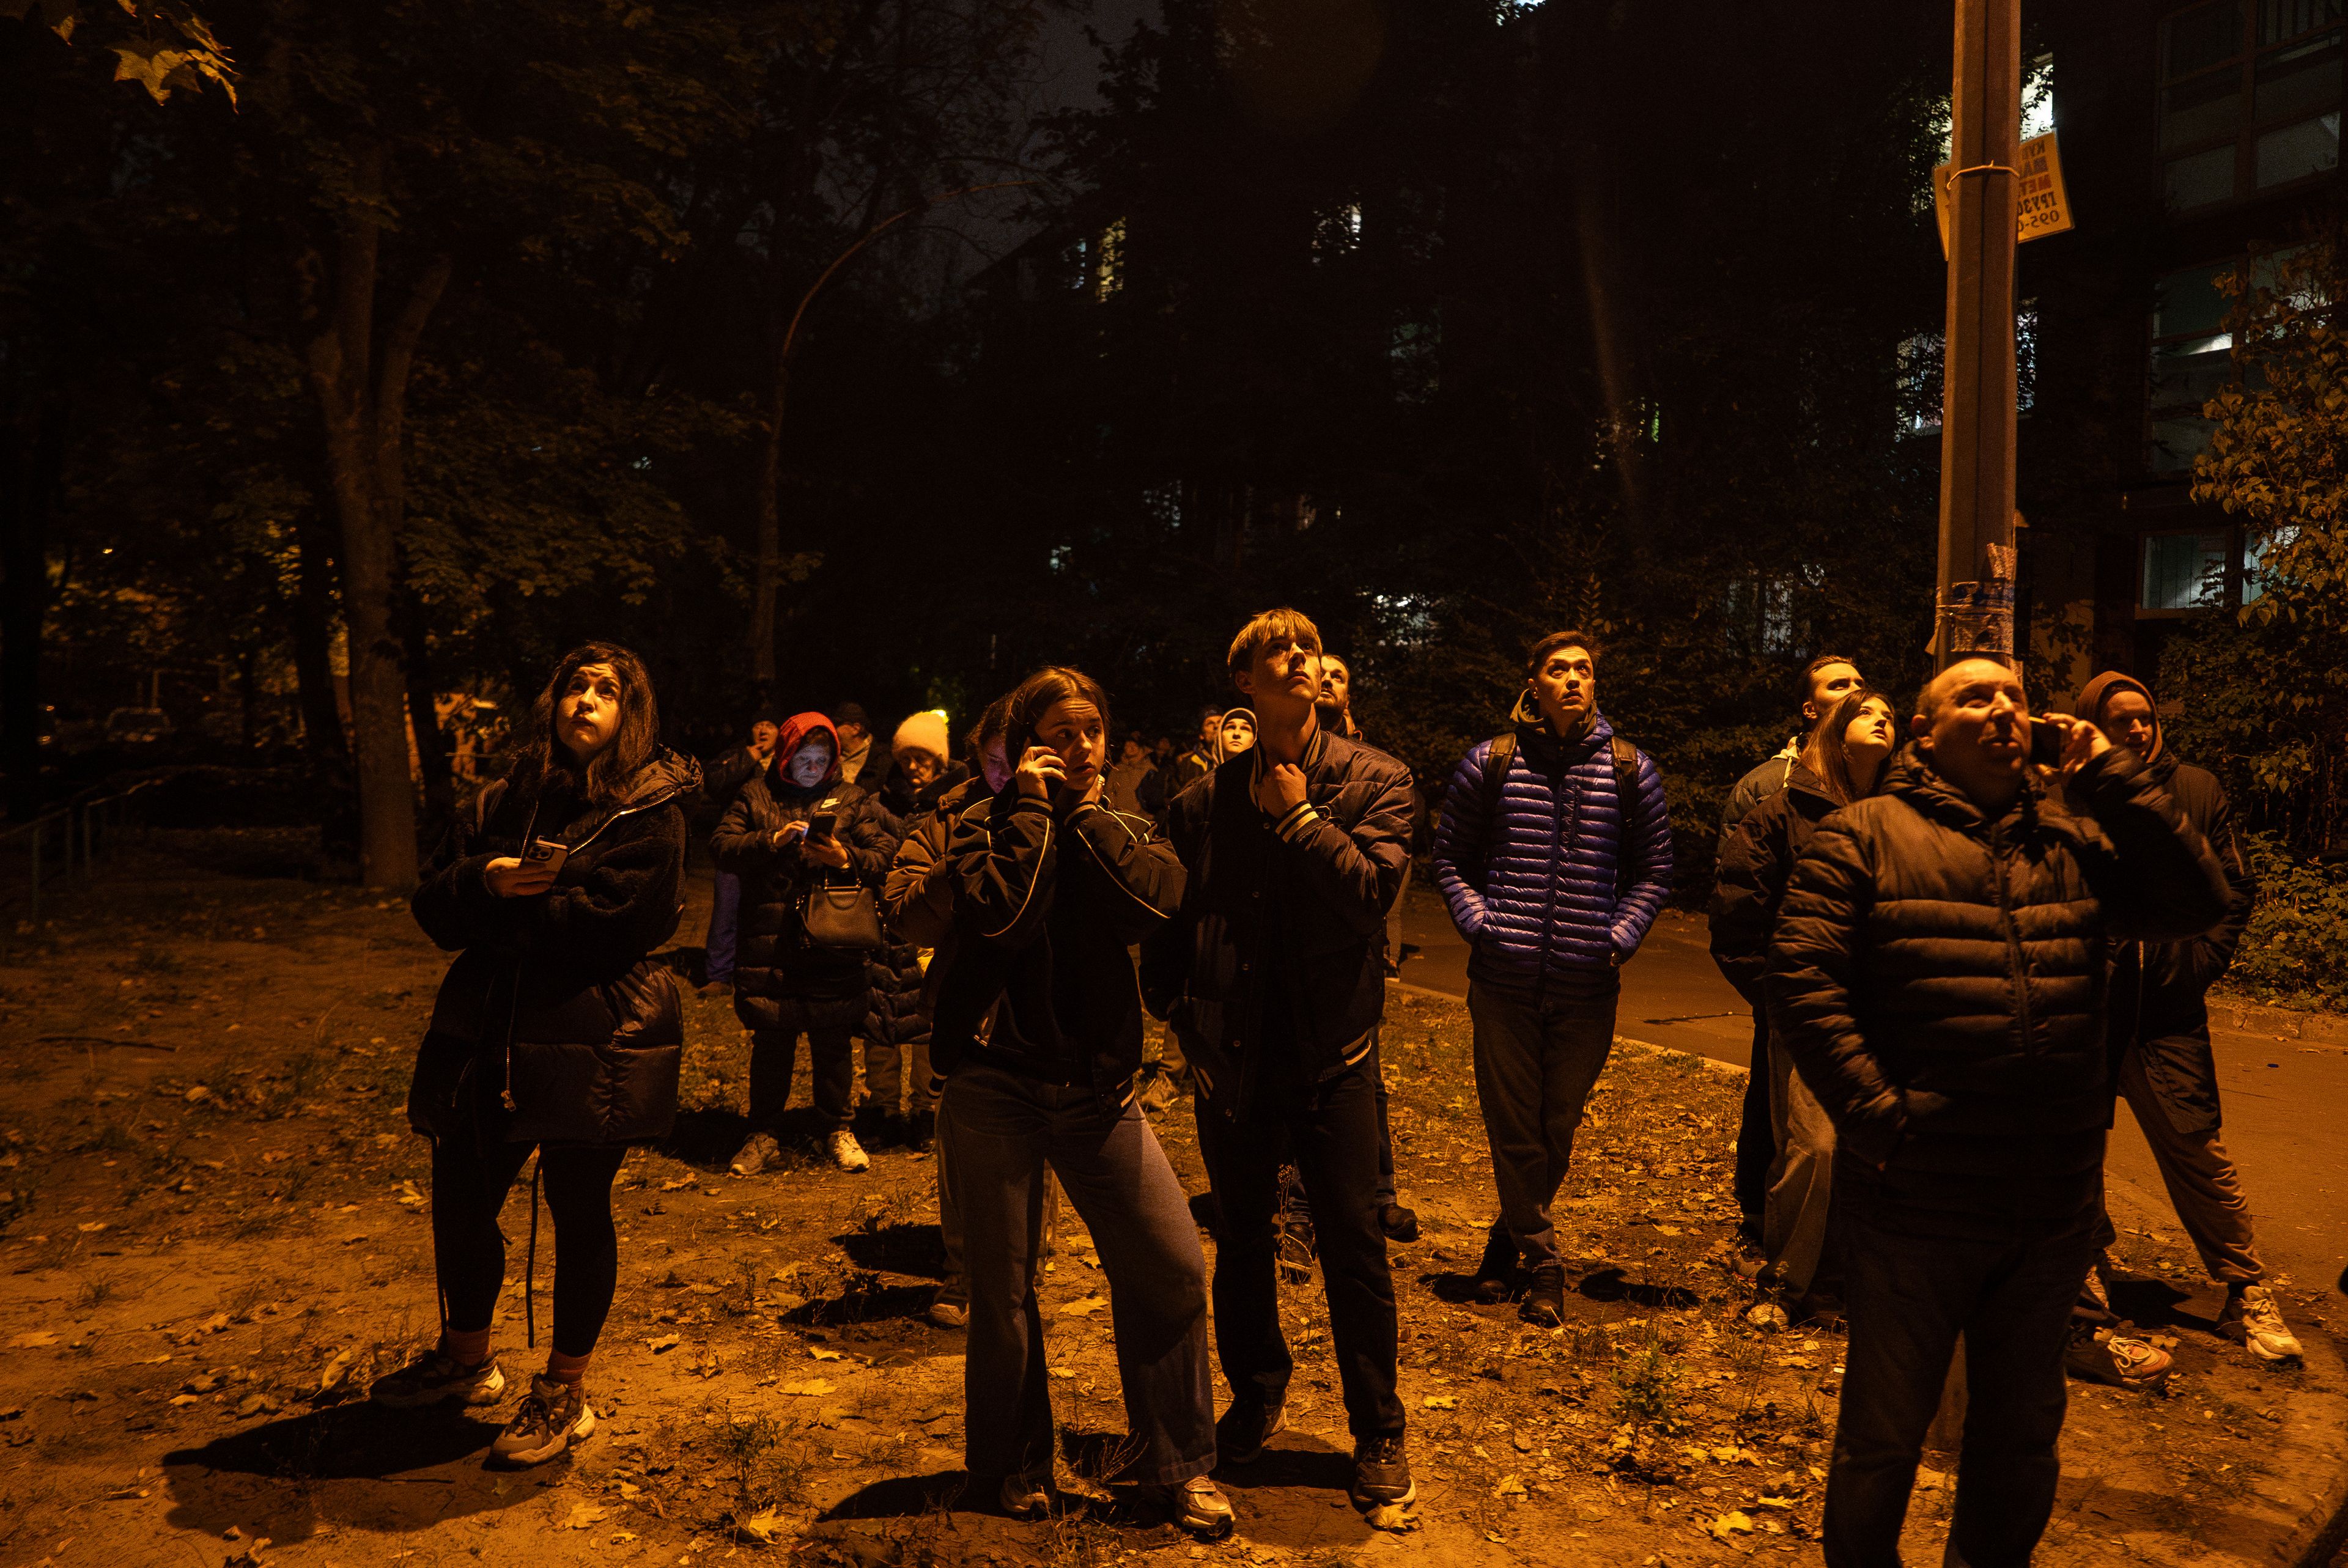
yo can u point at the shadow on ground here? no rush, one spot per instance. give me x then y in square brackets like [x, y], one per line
[357, 1466]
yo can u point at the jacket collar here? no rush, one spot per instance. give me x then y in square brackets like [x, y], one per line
[1537, 739]
[1914, 780]
[1316, 752]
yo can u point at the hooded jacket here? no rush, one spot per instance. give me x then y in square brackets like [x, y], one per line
[1303, 898]
[780, 978]
[554, 1024]
[1759, 783]
[1047, 896]
[1755, 861]
[1938, 977]
[1543, 888]
[2158, 988]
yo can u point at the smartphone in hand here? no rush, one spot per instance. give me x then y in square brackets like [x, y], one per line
[821, 826]
[545, 853]
[2046, 743]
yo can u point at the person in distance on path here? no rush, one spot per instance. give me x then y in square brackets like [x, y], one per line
[553, 1029]
[1554, 852]
[1272, 975]
[1937, 975]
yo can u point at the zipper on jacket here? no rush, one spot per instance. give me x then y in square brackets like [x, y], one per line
[2013, 941]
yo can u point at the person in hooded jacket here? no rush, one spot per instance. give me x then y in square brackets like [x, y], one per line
[726, 773]
[1841, 762]
[553, 1028]
[918, 902]
[1038, 1031]
[2160, 1034]
[793, 829]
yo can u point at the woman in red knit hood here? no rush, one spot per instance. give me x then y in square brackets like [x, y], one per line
[793, 829]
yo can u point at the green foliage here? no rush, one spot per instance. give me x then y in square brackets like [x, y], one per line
[2268, 691]
[2295, 951]
[161, 44]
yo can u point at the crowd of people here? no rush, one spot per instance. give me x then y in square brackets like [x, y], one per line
[1964, 935]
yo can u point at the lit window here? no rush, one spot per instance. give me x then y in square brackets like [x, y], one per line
[2184, 571]
[2249, 98]
[2191, 358]
[2255, 548]
[2038, 97]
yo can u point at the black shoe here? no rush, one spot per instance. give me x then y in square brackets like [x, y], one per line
[922, 1132]
[1399, 1223]
[1382, 1474]
[1544, 1305]
[1496, 1276]
[1240, 1431]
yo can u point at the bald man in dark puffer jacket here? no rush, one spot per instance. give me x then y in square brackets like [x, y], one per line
[1937, 976]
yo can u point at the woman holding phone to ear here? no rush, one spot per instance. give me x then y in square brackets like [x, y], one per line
[793, 830]
[553, 1029]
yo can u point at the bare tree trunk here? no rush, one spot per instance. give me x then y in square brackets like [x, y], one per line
[362, 391]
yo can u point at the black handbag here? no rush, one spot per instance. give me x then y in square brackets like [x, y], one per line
[843, 916]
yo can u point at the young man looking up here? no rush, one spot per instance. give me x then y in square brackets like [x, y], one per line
[1825, 680]
[1937, 976]
[1272, 974]
[1555, 853]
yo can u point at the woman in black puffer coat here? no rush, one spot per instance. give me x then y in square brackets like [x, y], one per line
[552, 1031]
[785, 984]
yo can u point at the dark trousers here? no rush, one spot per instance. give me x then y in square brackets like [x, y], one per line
[725, 923]
[1536, 1060]
[898, 1076]
[1757, 1138]
[832, 1053]
[1908, 1296]
[997, 1130]
[1296, 1204]
[469, 1250]
[1330, 1129]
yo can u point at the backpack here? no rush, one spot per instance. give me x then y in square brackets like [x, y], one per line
[1625, 757]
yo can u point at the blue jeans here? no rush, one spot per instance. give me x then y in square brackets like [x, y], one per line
[1910, 1293]
[996, 1132]
[725, 919]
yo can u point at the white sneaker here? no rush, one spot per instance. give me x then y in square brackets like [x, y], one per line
[848, 1154]
[2251, 1316]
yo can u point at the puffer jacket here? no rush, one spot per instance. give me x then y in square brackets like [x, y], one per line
[1536, 893]
[1759, 783]
[1755, 861]
[1939, 978]
[1318, 882]
[555, 1025]
[780, 978]
[1046, 899]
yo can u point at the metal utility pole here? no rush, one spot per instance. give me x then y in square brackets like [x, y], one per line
[1977, 437]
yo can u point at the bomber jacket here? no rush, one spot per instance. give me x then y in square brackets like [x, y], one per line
[1535, 892]
[1938, 977]
[774, 965]
[553, 1024]
[1047, 896]
[1756, 858]
[1318, 882]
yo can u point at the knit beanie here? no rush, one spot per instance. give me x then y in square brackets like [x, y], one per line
[925, 731]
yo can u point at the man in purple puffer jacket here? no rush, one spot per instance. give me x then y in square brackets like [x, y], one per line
[1555, 853]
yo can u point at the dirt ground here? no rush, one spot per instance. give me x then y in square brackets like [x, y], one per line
[214, 1233]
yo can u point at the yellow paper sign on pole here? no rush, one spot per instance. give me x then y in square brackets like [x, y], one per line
[2042, 206]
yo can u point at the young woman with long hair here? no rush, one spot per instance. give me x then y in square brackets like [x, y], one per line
[1038, 1032]
[552, 1031]
[1842, 761]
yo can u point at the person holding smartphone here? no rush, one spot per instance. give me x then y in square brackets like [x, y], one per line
[553, 1028]
[794, 829]
[1038, 1033]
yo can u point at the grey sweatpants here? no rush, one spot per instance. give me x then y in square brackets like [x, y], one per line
[998, 1131]
[1537, 1059]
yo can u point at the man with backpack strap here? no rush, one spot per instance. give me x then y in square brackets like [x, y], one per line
[1554, 852]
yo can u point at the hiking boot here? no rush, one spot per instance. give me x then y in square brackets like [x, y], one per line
[759, 1152]
[1196, 1505]
[553, 1416]
[1399, 1223]
[1544, 1304]
[1382, 1474]
[951, 1308]
[2251, 1319]
[846, 1152]
[2116, 1360]
[1496, 1276]
[1025, 1496]
[1293, 1251]
[1241, 1431]
[921, 1132]
[435, 1378]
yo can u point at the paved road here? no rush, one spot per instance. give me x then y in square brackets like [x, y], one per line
[2286, 1102]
